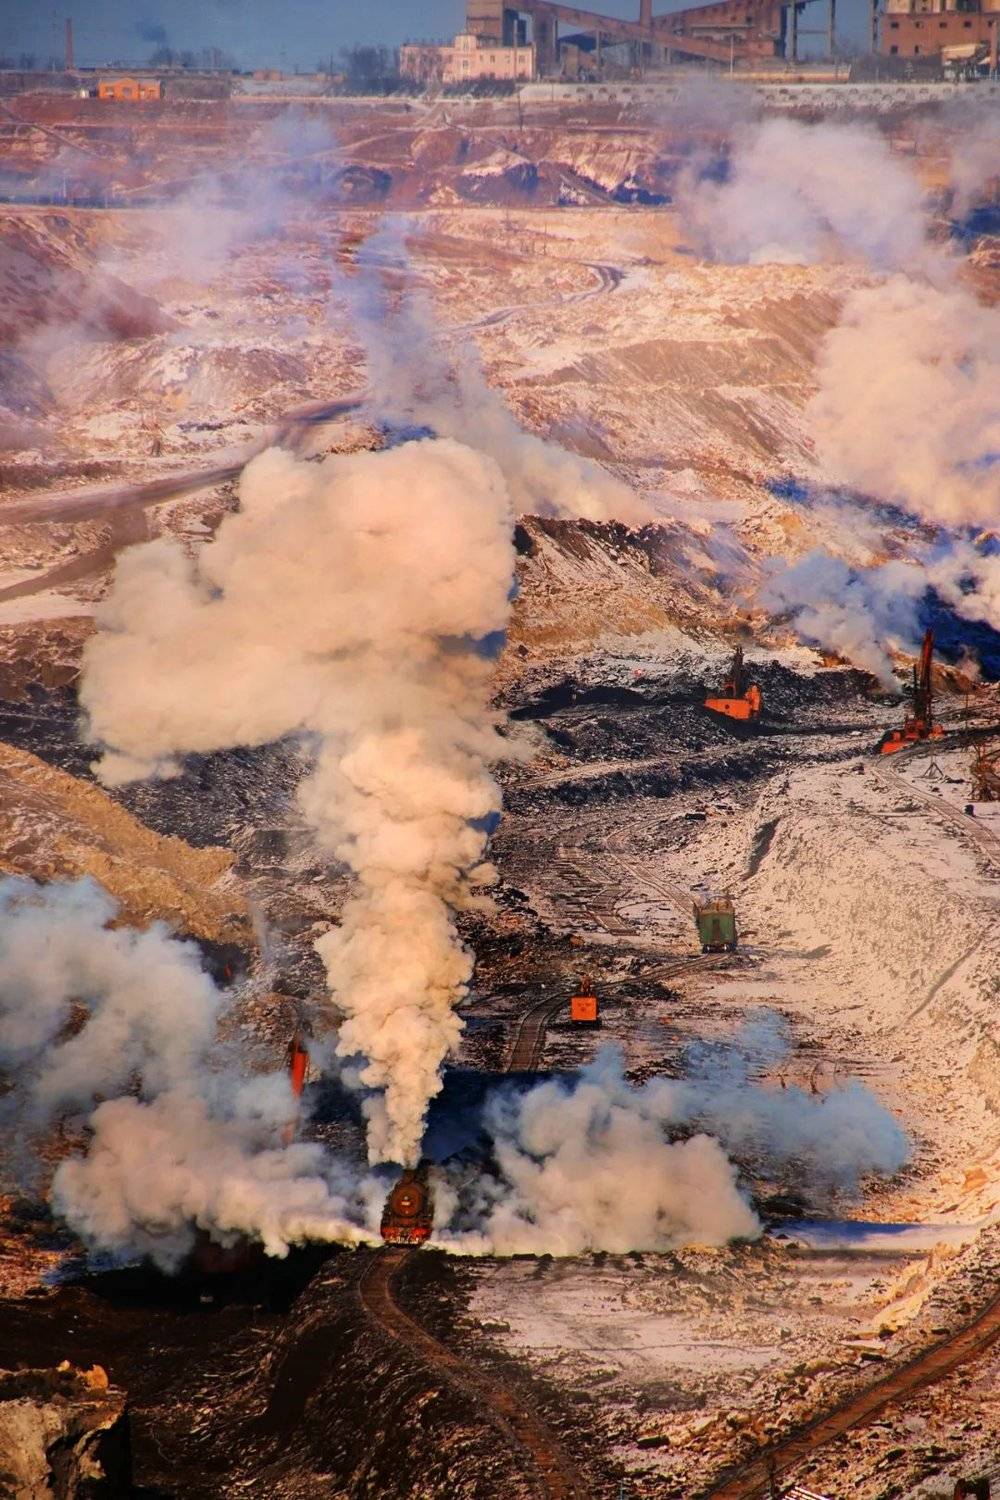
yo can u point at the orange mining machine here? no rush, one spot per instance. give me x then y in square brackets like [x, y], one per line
[737, 699]
[583, 1008]
[920, 724]
[408, 1215]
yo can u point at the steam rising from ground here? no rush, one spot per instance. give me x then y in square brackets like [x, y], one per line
[348, 601]
[864, 614]
[120, 1026]
[588, 1164]
[416, 378]
[182, 1138]
[796, 194]
[908, 406]
[856, 613]
[908, 401]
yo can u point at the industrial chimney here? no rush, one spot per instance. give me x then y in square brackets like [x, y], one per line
[69, 44]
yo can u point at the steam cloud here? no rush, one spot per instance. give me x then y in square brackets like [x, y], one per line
[419, 380]
[355, 601]
[856, 613]
[908, 405]
[864, 614]
[588, 1164]
[120, 1026]
[182, 1139]
[796, 194]
[348, 600]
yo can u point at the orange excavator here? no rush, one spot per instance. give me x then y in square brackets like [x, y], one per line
[736, 698]
[920, 724]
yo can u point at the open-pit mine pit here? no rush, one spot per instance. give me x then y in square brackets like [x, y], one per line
[385, 487]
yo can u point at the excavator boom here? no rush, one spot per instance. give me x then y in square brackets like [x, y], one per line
[918, 725]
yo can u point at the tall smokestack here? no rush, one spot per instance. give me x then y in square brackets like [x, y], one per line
[646, 13]
[69, 44]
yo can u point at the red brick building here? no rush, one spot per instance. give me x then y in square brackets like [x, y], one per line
[922, 28]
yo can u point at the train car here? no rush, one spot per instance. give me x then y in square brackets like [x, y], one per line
[408, 1216]
[583, 1010]
[716, 923]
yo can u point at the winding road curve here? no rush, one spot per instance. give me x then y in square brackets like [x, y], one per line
[555, 1476]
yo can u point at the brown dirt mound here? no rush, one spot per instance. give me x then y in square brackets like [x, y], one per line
[54, 826]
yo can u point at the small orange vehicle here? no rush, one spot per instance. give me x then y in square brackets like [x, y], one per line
[583, 1010]
[737, 699]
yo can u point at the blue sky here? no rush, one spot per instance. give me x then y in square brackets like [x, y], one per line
[255, 32]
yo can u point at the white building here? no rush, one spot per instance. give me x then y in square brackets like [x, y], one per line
[468, 59]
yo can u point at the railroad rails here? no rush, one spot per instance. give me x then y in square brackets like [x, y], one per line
[756, 1478]
[529, 1039]
[988, 841]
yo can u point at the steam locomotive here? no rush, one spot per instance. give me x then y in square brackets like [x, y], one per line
[408, 1216]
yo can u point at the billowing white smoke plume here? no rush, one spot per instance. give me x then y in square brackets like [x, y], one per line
[346, 601]
[589, 1164]
[351, 601]
[180, 1138]
[973, 134]
[116, 1029]
[832, 1139]
[857, 613]
[797, 194]
[865, 614]
[908, 406]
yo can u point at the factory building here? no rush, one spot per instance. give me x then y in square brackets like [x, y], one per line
[129, 88]
[948, 28]
[730, 32]
[468, 59]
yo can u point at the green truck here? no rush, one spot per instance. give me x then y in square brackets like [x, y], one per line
[716, 923]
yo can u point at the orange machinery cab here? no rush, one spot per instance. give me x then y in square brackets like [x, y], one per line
[408, 1215]
[583, 1007]
[913, 732]
[736, 699]
[745, 708]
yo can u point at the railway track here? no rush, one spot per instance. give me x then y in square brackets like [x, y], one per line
[554, 1474]
[754, 1479]
[984, 838]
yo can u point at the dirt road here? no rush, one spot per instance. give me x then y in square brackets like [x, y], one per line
[554, 1474]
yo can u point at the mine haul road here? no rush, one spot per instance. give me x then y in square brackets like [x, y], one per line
[555, 1474]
